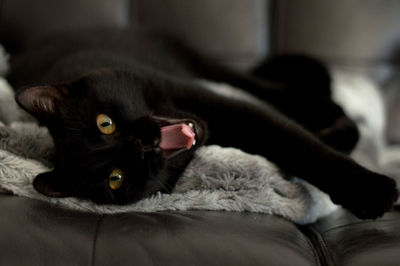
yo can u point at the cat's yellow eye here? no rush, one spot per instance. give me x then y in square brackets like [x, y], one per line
[105, 124]
[116, 178]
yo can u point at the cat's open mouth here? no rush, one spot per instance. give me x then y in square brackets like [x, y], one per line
[177, 135]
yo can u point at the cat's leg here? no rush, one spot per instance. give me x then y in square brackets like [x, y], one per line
[299, 87]
[263, 130]
[308, 85]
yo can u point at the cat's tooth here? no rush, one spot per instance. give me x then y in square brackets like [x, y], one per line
[194, 142]
[190, 125]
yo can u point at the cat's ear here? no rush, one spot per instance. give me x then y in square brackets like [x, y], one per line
[41, 101]
[49, 185]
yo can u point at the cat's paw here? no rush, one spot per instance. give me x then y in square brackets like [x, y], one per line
[368, 196]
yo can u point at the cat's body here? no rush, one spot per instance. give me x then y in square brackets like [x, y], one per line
[145, 84]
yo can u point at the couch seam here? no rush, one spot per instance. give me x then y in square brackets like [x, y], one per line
[358, 223]
[316, 255]
[320, 246]
[94, 242]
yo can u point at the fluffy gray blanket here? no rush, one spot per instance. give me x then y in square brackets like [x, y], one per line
[216, 179]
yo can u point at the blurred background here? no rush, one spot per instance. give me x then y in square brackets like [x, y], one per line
[361, 35]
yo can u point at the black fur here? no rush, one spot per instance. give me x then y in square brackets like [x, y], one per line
[142, 80]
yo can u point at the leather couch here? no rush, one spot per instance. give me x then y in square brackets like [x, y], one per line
[237, 33]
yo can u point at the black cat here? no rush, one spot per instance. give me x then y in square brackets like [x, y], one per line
[127, 112]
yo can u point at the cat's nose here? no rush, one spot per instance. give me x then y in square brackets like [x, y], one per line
[144, 129]
[141, 143]
[143, 148]
[141, 135]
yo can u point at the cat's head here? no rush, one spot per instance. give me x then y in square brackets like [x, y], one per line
[107, 132]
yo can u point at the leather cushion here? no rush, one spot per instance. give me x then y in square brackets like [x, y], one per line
[345, 240]
[36, 233]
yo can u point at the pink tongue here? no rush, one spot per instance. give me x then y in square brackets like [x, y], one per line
[176, 137]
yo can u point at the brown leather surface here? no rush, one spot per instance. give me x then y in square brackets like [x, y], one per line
[356, 33]
[345, 240]
[203, 238]
[36, 233]
[234, 32]
[32, 233]
[23, 21]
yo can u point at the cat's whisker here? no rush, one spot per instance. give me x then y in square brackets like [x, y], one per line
[163, 186]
